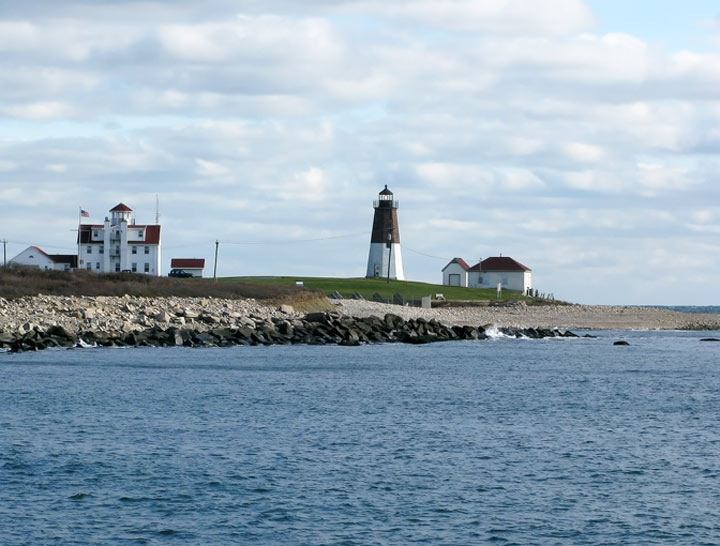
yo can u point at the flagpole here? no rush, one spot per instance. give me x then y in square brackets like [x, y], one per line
[77, 266]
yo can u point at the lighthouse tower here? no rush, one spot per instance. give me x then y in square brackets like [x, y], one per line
[385, 259]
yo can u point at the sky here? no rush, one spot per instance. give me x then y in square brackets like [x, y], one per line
[579, 137]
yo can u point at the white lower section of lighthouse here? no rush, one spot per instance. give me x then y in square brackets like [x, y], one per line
[381, 257]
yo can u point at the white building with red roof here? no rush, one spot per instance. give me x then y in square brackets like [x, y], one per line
[119, 244]
[488, 273]
[455, 273]
[36, 257]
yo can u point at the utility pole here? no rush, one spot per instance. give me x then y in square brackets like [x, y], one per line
[217, 243]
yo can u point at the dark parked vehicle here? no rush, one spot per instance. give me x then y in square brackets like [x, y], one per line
[179, 273]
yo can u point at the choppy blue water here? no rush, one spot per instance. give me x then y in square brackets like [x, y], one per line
[504, 441]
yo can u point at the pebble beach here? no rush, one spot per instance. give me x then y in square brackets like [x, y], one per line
[130, 313]
[590, 317]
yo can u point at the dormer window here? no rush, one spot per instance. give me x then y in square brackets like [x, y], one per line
[140, 234]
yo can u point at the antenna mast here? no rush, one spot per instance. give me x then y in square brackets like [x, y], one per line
[157, 209]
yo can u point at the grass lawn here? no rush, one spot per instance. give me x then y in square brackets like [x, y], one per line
[367, 287]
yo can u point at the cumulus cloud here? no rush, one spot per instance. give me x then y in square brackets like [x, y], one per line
[501, 125]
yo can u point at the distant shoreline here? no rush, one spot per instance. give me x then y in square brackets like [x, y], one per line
[125, 314]
[575, 316]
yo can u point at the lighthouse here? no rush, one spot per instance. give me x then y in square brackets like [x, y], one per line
[385, 258]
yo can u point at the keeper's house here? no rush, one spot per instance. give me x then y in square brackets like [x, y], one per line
[488, 273]
[37, 257]
[119, 244]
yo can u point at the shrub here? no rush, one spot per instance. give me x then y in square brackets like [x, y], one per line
[18, 281]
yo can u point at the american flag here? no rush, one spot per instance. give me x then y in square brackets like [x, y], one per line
[84, 213]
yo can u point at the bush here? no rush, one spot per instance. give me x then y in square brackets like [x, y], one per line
[19, 281]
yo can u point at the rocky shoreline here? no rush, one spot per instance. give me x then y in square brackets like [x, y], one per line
[40, 322]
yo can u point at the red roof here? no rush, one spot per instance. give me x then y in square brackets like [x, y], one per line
[462, 263]
[121, 207]
[499, 263]
[192, 263]
[59, 258]
[152, 235]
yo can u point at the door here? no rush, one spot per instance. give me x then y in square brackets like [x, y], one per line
[454, 279]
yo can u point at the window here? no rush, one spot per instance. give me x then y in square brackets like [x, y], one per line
[89, 266]
[134, 267]
[140, 233]
[95, 234]
[89, 249]
[97, 265]
[117, 267]
[147, 267]
[101, 249]
[134, 249]
[147, 250]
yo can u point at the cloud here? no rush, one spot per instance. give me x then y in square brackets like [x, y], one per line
[501, 125]
[584, 153]
[39, 111]
[497, 16]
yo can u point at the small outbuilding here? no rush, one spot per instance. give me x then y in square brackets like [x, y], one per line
[36, 257]
[456, 273]
[488, 273]
[193, 266]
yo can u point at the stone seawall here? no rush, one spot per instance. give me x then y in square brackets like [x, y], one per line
[47, 321]
[312, 329]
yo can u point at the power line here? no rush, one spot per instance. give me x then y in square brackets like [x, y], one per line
[292, 241]
[426, 255]
[38, 244]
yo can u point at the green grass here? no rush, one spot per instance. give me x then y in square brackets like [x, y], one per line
[367, 287]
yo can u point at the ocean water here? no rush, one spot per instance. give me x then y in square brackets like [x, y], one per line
[558, 441]
[712, 309]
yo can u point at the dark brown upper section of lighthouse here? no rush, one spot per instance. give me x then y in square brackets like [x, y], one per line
[385, 221]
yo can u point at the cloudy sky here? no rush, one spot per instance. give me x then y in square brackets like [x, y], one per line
[578, 137]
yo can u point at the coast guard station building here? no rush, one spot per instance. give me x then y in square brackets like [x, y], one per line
[488, 273]
[119, 244]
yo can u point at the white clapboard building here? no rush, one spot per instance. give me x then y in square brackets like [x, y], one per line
[36, 257]
[119, 244]
[488, 273]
